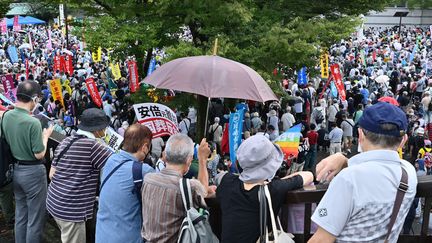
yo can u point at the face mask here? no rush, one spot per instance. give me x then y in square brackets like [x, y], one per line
[359, 149]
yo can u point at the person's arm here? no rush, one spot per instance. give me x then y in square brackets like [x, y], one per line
[307, 177]
[330, 166]
[203, 154]
[322, 236]
[46, 133]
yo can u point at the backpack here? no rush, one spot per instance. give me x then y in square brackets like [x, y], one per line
[195, 227]
[318, 116]
[210, 135]
[6, 159]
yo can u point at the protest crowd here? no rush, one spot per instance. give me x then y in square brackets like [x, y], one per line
[113, 168]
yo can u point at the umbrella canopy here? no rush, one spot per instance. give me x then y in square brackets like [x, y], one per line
[25, 20]
[25, 46]
[390, 100]
[382, 79]
[212, 76]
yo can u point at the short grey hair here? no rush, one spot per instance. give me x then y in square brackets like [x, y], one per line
[179, 148]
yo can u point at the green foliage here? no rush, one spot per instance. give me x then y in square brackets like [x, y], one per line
[4, 7]
[419, 3]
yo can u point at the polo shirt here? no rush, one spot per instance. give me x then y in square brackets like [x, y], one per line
[72, 191]
[163, 210]
[359, 201]
[23, 134]
[119, 216]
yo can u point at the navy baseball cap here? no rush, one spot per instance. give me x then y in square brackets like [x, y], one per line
[384, 113]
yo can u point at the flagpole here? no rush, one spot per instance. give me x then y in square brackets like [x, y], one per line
[215, 48]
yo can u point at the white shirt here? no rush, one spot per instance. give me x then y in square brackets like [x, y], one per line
[157, 144]
[332, 110]
[184, 126]
[287, 120]
[217, 131]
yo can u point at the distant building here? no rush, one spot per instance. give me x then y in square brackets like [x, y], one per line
[415, 17]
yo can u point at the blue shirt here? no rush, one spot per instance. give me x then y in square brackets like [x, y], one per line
[119, 217]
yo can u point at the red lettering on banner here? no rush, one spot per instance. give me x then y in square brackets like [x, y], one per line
[68, 65]
[93, 91]
[338, 81]
[57, 63]
[133, 76]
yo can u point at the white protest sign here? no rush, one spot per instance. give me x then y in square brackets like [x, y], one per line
[160, 119]
[113, 139]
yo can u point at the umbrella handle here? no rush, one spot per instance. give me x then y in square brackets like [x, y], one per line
[206, 119]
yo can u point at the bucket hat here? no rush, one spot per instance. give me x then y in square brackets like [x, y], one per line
[93, 119]
[259, 158]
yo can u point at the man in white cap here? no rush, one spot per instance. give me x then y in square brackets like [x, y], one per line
[287, 119]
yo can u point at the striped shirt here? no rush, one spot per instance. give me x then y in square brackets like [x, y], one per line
[72, 191]
[163, 210]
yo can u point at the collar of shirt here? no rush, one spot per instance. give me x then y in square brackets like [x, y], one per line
[172, 172]
[85, 133]
[128, 156]
[375, 155]
[22, 110]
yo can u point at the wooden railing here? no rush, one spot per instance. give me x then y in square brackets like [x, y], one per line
[310, 196]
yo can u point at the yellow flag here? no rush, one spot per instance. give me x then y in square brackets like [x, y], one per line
[99, 54]
[56, 90]
[324, 60]
[115, 70]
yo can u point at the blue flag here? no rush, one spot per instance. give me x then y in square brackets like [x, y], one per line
[13, 54]
[333, 90]
[152, 66]
[301, 77]
[235, 132]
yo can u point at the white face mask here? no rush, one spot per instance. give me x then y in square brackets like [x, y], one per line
[359, 148]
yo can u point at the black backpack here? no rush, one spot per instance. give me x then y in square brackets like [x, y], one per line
[6, 159]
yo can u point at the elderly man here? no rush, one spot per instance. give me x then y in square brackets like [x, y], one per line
[287, 119]
[369, 200]
[163, 209]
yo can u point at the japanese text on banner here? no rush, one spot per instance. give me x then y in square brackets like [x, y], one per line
[56, 90]
[113, 139]
[160, 119]
[133, 76]
[9, 87]
[338, 81]
[93, 91]
[324, 59]
[235, 132]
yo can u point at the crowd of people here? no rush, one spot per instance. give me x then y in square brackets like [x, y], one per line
[139, 202]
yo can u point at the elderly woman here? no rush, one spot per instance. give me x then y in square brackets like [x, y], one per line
[238, 194]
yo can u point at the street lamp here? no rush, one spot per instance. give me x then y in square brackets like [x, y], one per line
[400, 14]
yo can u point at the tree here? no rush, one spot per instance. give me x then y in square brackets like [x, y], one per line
[258, 33]
[4, 7]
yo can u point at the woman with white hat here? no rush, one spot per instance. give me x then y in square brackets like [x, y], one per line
[238, 194]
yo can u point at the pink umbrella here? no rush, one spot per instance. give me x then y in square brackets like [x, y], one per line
[213, 77]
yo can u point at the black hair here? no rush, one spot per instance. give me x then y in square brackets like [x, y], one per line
[312, 126]
[27, 90]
